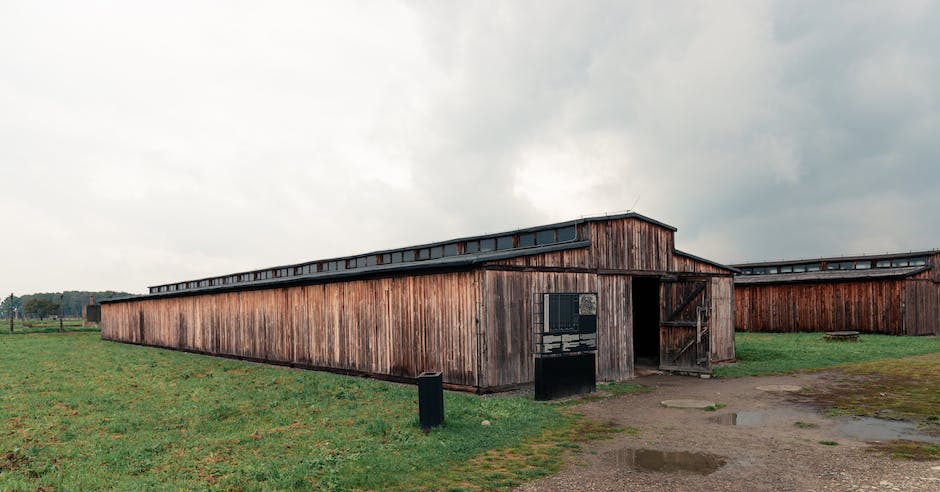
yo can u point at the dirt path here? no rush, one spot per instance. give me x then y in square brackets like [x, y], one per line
[767, 452]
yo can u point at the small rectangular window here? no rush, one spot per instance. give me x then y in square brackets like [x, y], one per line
[386, 258]
[883, 264]
[437, 252]
[772, 269]
[504, 242]
[526, 240]
[786, 269]
[569, 233]
[487, 244]
[747, 271]
[396, 257]
[424, 254]
[372, 260]
[799, 268]
[918, 261]
[360, 262]
[847, 265]
[471, 247]
[813, 267]
[339, 265]
[862, 265]
[901, 262]
[408, 255]
[450, 249]
[545, 237]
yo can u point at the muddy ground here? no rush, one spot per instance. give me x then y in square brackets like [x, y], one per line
[767, 450]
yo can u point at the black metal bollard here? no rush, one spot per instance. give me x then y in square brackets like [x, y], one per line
[430, 399]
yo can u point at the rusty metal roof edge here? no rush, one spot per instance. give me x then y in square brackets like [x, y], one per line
[884, 256]
[830, 276]
[710, 262]
[466, 260]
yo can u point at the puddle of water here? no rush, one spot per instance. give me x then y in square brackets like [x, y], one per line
[872, 429]
[743, 419]
[668, 461]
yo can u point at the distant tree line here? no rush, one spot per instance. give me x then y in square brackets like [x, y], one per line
[46, 304]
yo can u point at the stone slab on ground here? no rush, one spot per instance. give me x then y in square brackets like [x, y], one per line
[683, 403]
[780, 387]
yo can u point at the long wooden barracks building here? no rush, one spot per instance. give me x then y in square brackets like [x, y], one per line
[477, 308]
[896, 294]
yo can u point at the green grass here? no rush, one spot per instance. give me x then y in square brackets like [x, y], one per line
[47, 325]
[620, 389]
[79, 413]
[905, 389]
[773, 353]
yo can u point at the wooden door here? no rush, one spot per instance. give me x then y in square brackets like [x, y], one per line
[683, 328]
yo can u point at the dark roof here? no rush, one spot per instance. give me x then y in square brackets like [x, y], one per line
[462, 260]
[709, 262]
[829, 276]
[885, 256]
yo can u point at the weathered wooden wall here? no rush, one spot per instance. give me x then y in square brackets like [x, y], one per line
[921, 307]
[623, 244]
[869, 307]
[685, 264]
[397, 326]
[476, 326]
[509, 323]
[721, 324]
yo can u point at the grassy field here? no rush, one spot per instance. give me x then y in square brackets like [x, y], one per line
[904, 389]
[770, 353]
[45, 326]
[879, 376]
[78, 413]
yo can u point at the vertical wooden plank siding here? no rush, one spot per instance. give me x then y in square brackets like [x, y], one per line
[475, 326]
[921, 308]
[398, 326]
[684, 264]
[509, 321]
[721, 324]
[869, 307]
[615, 327]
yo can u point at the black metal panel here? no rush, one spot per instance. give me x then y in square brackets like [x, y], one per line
[558, 377]
[430, 399]
[568, 323]
[93, 313]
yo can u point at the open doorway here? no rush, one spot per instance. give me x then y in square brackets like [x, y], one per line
[646, 322]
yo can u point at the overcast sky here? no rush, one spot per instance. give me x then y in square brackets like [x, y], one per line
[149, 142]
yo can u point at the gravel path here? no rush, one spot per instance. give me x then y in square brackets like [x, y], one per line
[765, 451]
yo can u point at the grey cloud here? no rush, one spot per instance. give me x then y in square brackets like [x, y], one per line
[182, 140]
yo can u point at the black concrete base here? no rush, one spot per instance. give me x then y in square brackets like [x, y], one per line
[558, 377]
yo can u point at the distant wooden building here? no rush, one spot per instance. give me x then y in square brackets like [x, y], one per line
[468, 307]
[896, 294]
